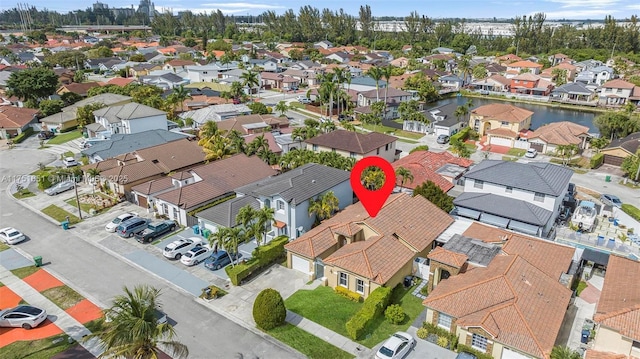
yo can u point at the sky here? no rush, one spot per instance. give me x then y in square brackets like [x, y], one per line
[554, 9]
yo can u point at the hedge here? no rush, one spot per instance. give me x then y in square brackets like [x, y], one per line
[477, 353]
[597, 160]
[24, 135]
[373, 307]
[263, 256]
[68, 129]
[453, 339]
[461, 136]
[353, 296]
[631, 210]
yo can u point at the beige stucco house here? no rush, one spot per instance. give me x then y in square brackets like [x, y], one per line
[501, 123]
[355, 145]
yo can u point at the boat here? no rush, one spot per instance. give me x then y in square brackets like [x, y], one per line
[584, 216]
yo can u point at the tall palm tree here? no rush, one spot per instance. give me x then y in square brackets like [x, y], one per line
[461, 112]
[246, 215]
[348, 126]
[376, 74]
[236, 89]
[93, 174]
[225, 60]
[181, 94]
[259, 144]
[207, 131]
[265, 220]
[230, 241]
[133, 330]
[327, 126]
[373, 178]
[237, 141]
[405, 175]
[328, 88]
[387, 72]
[217, 238]
[282, 108]
[250, 79]
[217, 148]
[338, 76]
[324, 206]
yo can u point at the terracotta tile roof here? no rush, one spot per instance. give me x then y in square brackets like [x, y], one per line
[561, 133]
[178, 62]
[414, 220]
[121, 81]
[502, 112]
[16, 117]
[552, 258]
[453, 259]
[423, 166]
[235, 171]
[273, 145]
[526, 63]
[517, 303]
[81, 88]
[377, 258]
[500, 79]
[173, 155]
[102, 165]
[351, 141]
[487, 233]
[509, 57]
[131, 172]
[619, 304]
[594, 354]
[154, 186]
[502, 132]
[618, 84]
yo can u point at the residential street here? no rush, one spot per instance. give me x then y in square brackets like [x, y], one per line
[100, 276]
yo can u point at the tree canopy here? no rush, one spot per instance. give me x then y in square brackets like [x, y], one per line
[32, 84]
[435, 195]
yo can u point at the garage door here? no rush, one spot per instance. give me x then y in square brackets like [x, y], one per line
[537, 146]
[300, 264]
[613, 160]
[511, 354]
[142, 201]
[500, 141]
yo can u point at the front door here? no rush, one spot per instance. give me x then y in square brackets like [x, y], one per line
[319, 269]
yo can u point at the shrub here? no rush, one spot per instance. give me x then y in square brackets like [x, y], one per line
[597, 160]
[480, 355]
[424, 291]
[422, 333]
[420, 148]
[373, 307]
[394, 314]
[461, 136]
[443, 342]
[440, 332]
[356, 326]
[263, 256]
[353, 296]
[269, 310]
[44, 181]
[631, 210]
[69, 129]
[23, 136]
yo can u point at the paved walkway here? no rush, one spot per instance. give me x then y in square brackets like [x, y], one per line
[62, 319]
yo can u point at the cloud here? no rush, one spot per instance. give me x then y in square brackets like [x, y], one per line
[633, 7]
[242, 5]
[576, 14]
[585, 4]
[225, 8]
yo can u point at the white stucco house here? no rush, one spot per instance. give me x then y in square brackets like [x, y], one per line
[129, 118]
[210, 72]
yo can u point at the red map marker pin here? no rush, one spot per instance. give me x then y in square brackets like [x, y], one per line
[373, 200]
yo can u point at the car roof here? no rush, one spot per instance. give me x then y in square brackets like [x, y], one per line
[393, 343]
[8, 229]
[125, 215]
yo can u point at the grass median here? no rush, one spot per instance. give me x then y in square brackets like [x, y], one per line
[60, 214]
[64, 137]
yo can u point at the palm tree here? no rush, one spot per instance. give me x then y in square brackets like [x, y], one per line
[260, 143]
[246, 215]
[461, 112]
[225, 60]
[338, 76]
[250, 79]
[347, 126]
[236, 89]
[265, 220]
[133, 330]
[376, 74]
[459, 148]
[93, 174]
[373, 178]
[299, 133]
[230, 241]
[217, 238]
[562, 352]
[566, 152]
[217, 148]
[328, 88]
[226, 95]
[405, 176]
[386, 72]
[180, 94]
[207, 131]
[324, 206]
[237, 141]
[282, 108]
[327, 126]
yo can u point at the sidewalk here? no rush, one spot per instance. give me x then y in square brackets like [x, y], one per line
[61, 319]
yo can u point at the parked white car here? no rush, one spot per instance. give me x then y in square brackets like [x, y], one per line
[178, 248]
[22, 316]
[70, 162]
[396, 347]
[60, 187]
[111, 226]
[11, 235]
[531, 153]
[195, 255]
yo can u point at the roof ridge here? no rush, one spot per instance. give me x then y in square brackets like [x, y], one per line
[460, 289]
[616, 313]
[526, 324]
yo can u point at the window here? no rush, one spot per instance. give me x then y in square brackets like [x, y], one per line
[315, 147]
[267, 203]
[504, 123]
[359, 286]
[165, 208]
[386, 147]
[280, 205]
[479, 342]
[175, 213]
[478, 184]
[444, 321]
[352, 154]
[343, 280]
[619, 91]
[378, 151]
[508, 189]
[538, 197]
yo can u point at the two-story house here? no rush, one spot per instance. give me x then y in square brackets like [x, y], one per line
[515, 68]
[441, 168]
[616, 92]
[530, 84]
[290, 194]
[210, 72]
[67, 118]
[394, 98]
[501, 123]
[355, 145]
[129, 118]
[272, 80]
[596, 76]
[361, 253]
[524, 197]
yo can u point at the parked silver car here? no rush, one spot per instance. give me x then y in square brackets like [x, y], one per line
[23, 316]
[60, 187]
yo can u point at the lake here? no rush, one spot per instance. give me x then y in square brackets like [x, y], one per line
[542, 115]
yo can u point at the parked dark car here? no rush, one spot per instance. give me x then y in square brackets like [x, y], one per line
[343, 117]
[154, 230]
[572, 190]
[45, 135]
[132, 226]
[220, 260]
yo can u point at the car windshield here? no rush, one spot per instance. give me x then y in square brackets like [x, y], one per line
[386, 351]
[28, 310]
[116, 220]
[13, 233]
[189, 254]
[615, 200]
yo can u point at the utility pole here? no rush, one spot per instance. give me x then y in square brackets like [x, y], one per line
[75, 187]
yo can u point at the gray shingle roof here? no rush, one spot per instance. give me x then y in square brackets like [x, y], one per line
[298, 185]
[104, 98]
[506, 207]
[125, 143]
[533, 176]
[130, 111]
[225, 213]
[476, 250]
[573, 87]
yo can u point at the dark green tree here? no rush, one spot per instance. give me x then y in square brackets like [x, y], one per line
[258, 108]
[32, 84]
[269, 310]
[50, 107]
[435, 195]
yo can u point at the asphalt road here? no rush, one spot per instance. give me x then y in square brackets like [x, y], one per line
[100, 276]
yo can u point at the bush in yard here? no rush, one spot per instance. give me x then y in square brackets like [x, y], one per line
[348, 294]
[394, 314]
[443, 342]
[374, 305]
[597, 160]
[631, 210]
[269, 310]
[422, 333]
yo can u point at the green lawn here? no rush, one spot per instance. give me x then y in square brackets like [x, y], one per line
[395, 131]
[60, 214]
[65, 137]
[509, 158]
[43, 172]
[3, 246]
[36, 349]
[25, 271]
[63, 296]
[516, 152]
[323, 306]
[306, 343]
[23, 193]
